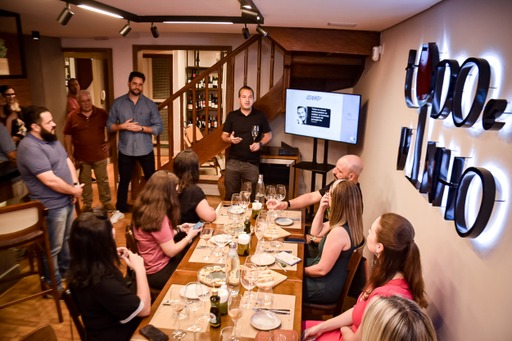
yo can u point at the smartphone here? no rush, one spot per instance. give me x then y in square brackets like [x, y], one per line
[153, 334]
[198, 225]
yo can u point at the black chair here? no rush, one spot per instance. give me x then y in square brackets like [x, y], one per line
[313, 310]
[76, 316]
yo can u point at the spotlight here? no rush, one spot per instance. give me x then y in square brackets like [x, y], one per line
[36, 35]
[125, 30]
[251, 14]
[65, 15]
[261, 31]
[154, 31]
[245, 32]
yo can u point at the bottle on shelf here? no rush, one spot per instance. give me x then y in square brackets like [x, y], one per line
[260, 190]
[215, 309]
[233, 269]
[190, 105]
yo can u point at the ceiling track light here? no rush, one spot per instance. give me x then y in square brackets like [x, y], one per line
[247, 13]
[261, 31]
[245, 4]
[154, 31]
[126, 29]
[65, 15]
[245, 32]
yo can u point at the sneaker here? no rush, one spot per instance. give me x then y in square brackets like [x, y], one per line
[109, 207]
[116, 216]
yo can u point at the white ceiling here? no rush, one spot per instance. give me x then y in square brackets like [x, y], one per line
[371, 15]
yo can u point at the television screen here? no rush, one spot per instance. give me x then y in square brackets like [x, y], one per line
[323, 115]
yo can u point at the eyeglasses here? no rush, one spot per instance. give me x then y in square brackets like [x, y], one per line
[10, 95]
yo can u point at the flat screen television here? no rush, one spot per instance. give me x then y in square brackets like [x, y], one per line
[323, 115]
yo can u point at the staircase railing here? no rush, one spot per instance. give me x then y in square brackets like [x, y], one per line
[177, 103]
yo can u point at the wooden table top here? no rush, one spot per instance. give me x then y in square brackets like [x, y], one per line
[187, 272]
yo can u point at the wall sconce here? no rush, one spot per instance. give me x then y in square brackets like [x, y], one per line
[36, 35]
[245, 32]
[126, 29]
[154, 31]
[261, 31]
[65, 15]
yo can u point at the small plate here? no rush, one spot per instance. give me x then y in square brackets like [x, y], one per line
[283, 221]
[262, 259]
[265, 320]
[191, 293]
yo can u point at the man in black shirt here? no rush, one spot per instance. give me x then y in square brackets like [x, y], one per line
[244, 154]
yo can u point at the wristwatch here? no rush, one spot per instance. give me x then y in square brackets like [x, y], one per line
[313, 238]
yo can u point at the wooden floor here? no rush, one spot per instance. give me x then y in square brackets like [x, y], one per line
[20, 319]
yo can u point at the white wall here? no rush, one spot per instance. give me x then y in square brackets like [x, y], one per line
[467, 280]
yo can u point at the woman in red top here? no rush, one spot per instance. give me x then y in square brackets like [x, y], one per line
[397, 271]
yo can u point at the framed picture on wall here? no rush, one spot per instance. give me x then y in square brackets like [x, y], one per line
[12, 59]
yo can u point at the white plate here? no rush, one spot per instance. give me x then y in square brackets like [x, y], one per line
[222, 237]
[265, 320]
[262, 259]
[283, 221]
[191, 291]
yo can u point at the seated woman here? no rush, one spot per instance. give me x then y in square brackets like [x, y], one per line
[155, 214]
[193, 204]
[325, 274]
[397, 271]
[110, 311]
[396, 318]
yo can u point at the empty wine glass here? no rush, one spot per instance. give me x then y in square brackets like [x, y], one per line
[280, 192]
[270, 192]
[206, 234]
[235, 312]
[259, 229]
[177, 303]
[246, 187]
[249, 278]
[245, 199]
[203, 292]
[255, 132]
[235, 199]
[193, 304]
[221, 239]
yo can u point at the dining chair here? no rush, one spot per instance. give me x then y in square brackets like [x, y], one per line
[41, 333]
[76, 316]
[23, 226]
[315, 310]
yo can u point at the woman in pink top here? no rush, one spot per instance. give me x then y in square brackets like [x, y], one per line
[156, 214]
[397, 271]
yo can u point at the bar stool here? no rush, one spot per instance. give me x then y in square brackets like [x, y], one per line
[23, 225]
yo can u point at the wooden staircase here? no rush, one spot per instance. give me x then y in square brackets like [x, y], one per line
[312, 59]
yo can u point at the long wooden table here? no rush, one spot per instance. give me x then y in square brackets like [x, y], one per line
[187, 272]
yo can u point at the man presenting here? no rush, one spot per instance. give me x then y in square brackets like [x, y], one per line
[136, 118]
[84, 138]
[244, 153]
[51, 178]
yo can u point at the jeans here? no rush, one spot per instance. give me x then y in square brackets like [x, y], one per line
[238, 172]
[126, 165]
[100, 171]
[59, 222]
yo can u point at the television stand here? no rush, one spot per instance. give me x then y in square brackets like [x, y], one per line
[316, 168]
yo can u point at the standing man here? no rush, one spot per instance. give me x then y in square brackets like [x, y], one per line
[51, 178]
[244, 153]
[136, 118]
[73, 88]
[84, 138]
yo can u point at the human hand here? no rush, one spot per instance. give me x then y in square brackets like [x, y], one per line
[133, 260]
[105, 147]
[312, 333]
[130, 125]
[254, 147]
[348, 334]
[78, 189]
[234, 139]
[324, 202]
[274, 204]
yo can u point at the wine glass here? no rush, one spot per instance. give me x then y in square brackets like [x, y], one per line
[193, 304]
[270, 192]
[221, 239]
[206, 234]
[177, 303]
[249, 278]
[280, 192]
[255, 132]
[245, 199]
[234, 311]
[235, 199]
[246, 187]
[260, 228]
[203, 292]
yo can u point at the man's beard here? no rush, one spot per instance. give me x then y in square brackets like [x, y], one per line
[48, 136]
[135, 92]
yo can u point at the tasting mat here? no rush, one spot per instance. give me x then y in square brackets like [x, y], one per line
[222, 214]
[200, 252]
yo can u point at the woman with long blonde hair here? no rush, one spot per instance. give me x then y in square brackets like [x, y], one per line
[325, 274]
